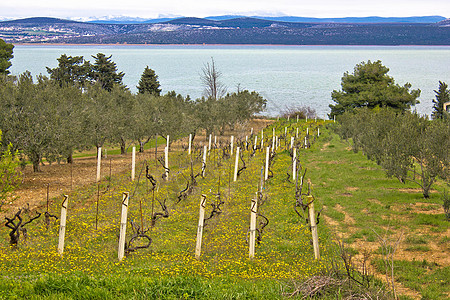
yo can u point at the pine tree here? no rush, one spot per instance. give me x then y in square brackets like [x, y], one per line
[149, 83]
[370, 86]
[442, 96]
[104, 71]
[6, 54]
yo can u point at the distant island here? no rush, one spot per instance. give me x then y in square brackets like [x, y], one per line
[434, 30]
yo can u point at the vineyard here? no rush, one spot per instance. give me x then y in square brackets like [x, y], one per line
[275, 172]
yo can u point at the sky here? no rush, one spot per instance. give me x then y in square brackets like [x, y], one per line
[203, 8]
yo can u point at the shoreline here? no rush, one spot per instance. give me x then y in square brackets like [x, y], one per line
[219, 45]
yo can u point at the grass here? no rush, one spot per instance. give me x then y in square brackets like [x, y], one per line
[89, 267]
[429, 279]
[355, 192]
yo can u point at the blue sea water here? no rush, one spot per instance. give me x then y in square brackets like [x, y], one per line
[284, 75]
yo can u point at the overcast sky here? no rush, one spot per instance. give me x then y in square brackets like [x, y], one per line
[204, 8]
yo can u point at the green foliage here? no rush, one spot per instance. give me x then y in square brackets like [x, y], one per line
[442, 96]
[71, 71]
[370, 86]
[9, 175]
[407, 146]
[6, 54]
[446, 204]
[149, 83]
[104, 72]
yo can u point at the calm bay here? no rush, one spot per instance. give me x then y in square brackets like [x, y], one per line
[284, 75]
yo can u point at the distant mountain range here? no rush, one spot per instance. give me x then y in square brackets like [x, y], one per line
[433, 30]
[132, 20]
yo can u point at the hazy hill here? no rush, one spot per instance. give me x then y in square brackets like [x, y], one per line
[242, 30]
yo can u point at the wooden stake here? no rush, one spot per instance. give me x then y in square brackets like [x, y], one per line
[166, 162]
[204, 161]
[294, 164]
[190, 143]
[312, 219]
[201, 219]
[236, 164]
[252, 235]
[266, 173]
[133, 163]
[123, 225]
[99, 163]
[62, 224]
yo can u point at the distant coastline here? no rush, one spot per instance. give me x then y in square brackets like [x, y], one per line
[224, 45]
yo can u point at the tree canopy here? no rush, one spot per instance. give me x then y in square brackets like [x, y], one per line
[149, 82]
[442, 96]
[370, 86]
[104, 72]
[6, 54]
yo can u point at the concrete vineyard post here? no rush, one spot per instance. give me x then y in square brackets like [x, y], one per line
[307, 130]
[201, 219]
[133, 163]
[273, 143]
[62, 224]
[190, 143]
[166, 162]
[231, 144]
[318, 131]
[294, 164]
[266, 173]
[209, 142]
[123, 225]
[204, 161]
[251, 131]
[306, 143]
[306, 119]
[292, 142]
[168, 142]
[297, 118]
[252, 235]
[256, 141]
[296, 135]
[236, 164]
[99, 163]
[312, 219]
[215, 141]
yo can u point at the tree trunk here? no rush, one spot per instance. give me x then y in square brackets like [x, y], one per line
[70, 158]
[123, 146]
[35, 159]
[141, 146]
